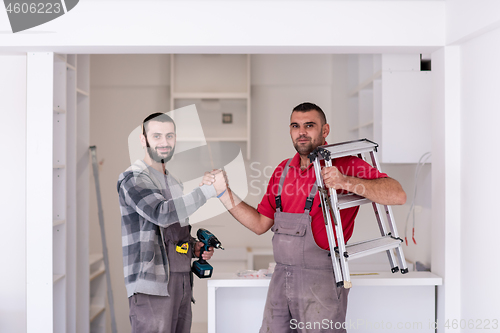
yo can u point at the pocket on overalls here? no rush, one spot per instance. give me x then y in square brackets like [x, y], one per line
[314, 256]
[288, 242]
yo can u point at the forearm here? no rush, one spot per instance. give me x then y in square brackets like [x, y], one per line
[149, 202]
[245, 214]
[189, 203]
[385, 191]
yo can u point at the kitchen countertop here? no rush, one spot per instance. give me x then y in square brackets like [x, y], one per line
[357, 279]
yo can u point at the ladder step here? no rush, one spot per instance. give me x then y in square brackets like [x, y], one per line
[361, 249]
[350, 148]
[343, 254]
[351, 200]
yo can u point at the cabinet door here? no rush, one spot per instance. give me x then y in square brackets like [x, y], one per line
[405, 116]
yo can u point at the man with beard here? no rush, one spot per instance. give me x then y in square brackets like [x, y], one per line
[156, 240]
[302, 292]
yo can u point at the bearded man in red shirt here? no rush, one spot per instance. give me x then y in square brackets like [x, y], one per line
[302, 290]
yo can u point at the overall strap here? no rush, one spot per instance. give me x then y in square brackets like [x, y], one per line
[310, 198]
[280, 187]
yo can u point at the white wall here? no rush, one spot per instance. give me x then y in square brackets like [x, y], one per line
[13, 197]
[479, 226]
[279, 83]
[446, 187]
[339, 131]
[231, 26]
[465, 114]
[467, 19]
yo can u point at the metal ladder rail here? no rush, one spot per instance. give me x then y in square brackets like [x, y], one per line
[383, 232]
[326, 208]
[103, 238]
[392, 224]
[342, 255]
[381, 224]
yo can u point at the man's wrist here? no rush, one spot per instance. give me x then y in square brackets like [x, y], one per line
[224, 195]
[354, 185]
[208, 191]
[221, 194]
[346, 184]
[229, 199]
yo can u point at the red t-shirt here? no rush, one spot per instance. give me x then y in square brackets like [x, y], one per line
[297, 186]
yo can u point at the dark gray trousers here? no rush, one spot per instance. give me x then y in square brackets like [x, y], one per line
[163, 314]
[303, 300]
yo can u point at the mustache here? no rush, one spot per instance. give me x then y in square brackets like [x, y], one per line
[303, 137]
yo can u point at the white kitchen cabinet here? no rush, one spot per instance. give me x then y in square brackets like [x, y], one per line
[390, 103]
[378, 302]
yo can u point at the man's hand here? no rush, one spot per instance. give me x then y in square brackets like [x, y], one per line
[385, 191]
[206, 254]
[220, 182]
[208, 179]
[333, 178]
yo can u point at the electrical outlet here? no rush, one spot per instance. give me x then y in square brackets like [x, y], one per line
[227, 118]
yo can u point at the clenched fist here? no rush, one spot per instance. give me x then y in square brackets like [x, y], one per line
[206, 254]
[333, 178]
[220, 182]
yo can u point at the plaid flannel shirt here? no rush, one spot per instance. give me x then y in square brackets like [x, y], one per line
[145, 213]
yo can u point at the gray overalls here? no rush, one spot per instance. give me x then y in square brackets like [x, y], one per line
[302, 296]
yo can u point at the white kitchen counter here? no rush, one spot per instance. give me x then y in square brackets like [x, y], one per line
[377, 302]
[358, 279]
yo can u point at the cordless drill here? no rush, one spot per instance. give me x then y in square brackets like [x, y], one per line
[201, 267]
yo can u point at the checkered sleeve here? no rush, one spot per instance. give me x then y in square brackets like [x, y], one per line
[146, 199]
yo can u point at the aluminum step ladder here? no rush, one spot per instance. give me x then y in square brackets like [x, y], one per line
[332, 204]
[95, 167]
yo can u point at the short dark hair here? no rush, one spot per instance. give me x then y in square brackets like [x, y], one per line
[305, 107]
[158, 116]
